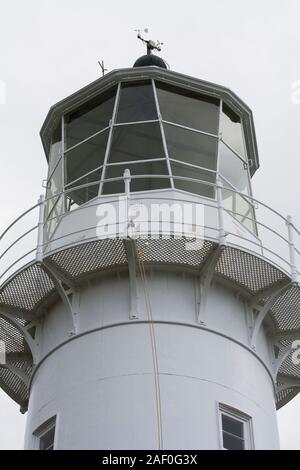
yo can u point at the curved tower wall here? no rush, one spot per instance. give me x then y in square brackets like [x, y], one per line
[100, 384]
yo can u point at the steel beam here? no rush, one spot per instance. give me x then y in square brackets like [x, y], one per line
[133, 277]
[59, 281]
[202, 287]
[264, 310]
[25, 333]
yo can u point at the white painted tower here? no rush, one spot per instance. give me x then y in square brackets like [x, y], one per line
[123, 328]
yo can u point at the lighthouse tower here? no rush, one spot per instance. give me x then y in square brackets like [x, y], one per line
[148, 300]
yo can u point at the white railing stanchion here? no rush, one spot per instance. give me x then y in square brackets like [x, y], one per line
[222, 233]
[127, 180]
[290, 227]
[40, 237]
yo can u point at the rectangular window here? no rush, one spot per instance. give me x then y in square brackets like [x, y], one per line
[236, 429]
[47, 440]
[45, 435]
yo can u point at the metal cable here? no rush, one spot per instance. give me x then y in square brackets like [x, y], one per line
[153, 346]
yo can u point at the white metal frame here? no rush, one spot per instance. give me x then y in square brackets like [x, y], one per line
[246, 420]
[43, 428]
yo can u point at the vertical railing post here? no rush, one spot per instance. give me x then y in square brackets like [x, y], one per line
[222, 233]
[290, 227]
[40, 238]
[127, 180]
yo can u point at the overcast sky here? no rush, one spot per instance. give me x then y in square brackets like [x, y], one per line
[50, 48]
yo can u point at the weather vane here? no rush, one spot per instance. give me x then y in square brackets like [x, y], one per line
[151, 45]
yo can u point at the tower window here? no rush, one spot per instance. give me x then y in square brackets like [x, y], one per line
[45, 435]
[47, 440]
[236, 430]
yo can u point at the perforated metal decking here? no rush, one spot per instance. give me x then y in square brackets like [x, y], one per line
[26, 293]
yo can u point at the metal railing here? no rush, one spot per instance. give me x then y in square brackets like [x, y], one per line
[277, 239]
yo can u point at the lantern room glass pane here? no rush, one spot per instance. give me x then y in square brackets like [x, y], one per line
[195, 173]
[240, 208]
[136, 142]
[85, 158]
[232, 132]
[55, 149]
[89, 118]
[138, 184]
[234, 169]
[54, 217]
[191, 147]
[188, 108]
[85, 194]
[54, 186]
[136, 102]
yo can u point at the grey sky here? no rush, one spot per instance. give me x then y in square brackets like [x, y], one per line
[50, 48]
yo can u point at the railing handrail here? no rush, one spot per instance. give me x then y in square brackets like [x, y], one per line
[210, 203]
[57, 195]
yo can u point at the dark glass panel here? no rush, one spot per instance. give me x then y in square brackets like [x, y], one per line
[136, 102]
[85, 158]
[47, 440]
[90, 118]
[191, 147]
[82, 195]
[136, 142]
[232, 442]
[234, 169]
[145, 184]
[233, 426]
[232, 132]
[191, 186]
[188, 108]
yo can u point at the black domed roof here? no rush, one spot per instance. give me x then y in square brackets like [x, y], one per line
[148, 60]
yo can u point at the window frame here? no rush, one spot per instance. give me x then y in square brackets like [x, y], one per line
[239, 416]
[43, 429]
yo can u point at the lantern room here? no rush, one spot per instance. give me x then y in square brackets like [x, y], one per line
[171, 132]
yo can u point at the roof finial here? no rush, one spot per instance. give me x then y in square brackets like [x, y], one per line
[151, 45]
